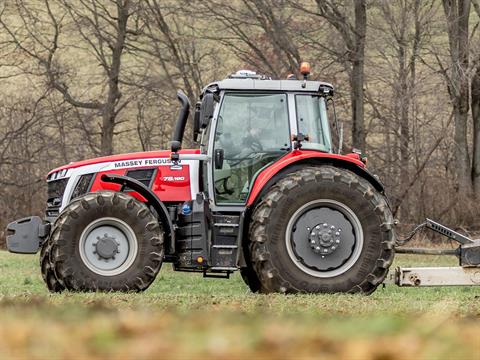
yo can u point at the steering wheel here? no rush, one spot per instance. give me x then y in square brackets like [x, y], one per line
[234, 181]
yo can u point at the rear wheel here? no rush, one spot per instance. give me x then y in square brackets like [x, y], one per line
[249, 276]
[321, 229]
[106, 241]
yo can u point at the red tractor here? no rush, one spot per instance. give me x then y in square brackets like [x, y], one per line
[267, 193]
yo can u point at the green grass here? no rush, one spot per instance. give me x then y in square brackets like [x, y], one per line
[183, 315]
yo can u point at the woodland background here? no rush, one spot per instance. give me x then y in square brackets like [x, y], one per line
[84, 78]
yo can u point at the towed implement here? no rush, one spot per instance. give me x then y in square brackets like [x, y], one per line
[468, 253]
[267, 192]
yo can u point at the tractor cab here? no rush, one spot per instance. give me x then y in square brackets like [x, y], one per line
[247, 122]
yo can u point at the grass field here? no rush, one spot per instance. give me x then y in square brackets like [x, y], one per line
[183, 315]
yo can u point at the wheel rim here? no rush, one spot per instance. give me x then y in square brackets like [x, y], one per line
[324, 238]
[108, 246]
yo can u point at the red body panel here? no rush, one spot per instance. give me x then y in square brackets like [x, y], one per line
[168, 184]
[289, 159]
[98, 184]
[172, 185]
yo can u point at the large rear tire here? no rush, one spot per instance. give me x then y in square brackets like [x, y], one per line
[106, 241]
[250, 278]
[321, 229]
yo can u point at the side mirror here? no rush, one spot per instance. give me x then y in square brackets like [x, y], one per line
[218, 158]
[206, 109]
[196, 121]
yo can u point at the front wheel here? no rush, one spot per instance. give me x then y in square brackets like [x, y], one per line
[106, 241]
[321, 229]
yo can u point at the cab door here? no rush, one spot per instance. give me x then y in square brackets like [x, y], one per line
[252, 131]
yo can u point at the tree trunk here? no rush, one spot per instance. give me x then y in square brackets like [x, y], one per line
[462, 158]
[475, 88]
[457, 14]
[357, 76]
[475, 106]
[404, 104]
[110, 108]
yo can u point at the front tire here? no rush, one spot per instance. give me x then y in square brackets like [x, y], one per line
[106, 241]
[48, 270]
[321, 229]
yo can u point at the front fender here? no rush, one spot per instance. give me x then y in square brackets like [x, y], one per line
[150, 197]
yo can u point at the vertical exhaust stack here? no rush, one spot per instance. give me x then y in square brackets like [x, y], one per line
[176, 143]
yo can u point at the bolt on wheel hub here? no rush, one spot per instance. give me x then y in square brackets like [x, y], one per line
[324, 238]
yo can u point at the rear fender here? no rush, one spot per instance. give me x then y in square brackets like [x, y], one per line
[299, 159]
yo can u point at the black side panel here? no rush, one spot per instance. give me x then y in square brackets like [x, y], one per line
[192, 237]
[145, 176]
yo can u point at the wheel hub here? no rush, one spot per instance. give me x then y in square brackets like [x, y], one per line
[324, 238]
[106, 247]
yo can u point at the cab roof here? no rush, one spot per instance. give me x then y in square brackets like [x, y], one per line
[271, 85]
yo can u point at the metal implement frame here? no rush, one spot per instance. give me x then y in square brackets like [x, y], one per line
[443, 230]
[437, 276]
[468, 252]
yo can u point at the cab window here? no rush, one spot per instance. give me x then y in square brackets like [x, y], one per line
[312, 120]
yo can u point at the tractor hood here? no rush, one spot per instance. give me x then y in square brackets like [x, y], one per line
[168, 180]
[123, 160]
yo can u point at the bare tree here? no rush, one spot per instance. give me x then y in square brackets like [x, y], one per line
[170, 42]
[259, 32]
[171, 55]
[102, 31]
[475, 106]
[457, 13]
[400, 32]
[23, 142]
[352, 53]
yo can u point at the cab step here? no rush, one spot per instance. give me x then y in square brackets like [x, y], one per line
[224, 250]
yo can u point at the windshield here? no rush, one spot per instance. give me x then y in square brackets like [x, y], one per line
[313, 121]
[253, 131]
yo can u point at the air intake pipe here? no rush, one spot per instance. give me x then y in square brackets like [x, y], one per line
[176, 143]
